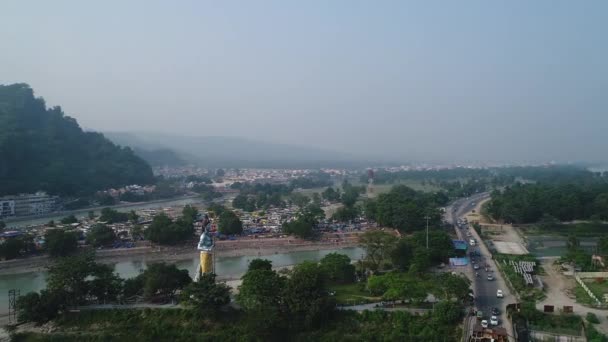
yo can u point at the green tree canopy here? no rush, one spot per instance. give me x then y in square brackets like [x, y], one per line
[40, 144]
[441, 246]
[216, 208]
[40, 307]
[132, 216]
[260, 264]
[299, 227]
[69, 219]
[101, 235]
[338, 268]
[395, 286]
[378, 246]
[161, 279]
[11, 248]
[164, 231]
[230, 223]
[109, 215]
[404, 209]
[78, 275]
[402, 254]
[529, 203]
[260, 289]
[330, 194]
[346, 213]
[306, 296]
[189, 213]
[299, 199]
[449, 286]
[105, 285]
[206, 296]
[59, 242]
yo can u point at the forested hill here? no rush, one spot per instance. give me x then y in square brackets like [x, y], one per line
[42, 149]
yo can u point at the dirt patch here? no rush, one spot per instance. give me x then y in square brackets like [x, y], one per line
[560, 292]
[506, 247]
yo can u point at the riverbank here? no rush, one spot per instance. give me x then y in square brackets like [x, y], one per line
[173, 254]
[20, 222]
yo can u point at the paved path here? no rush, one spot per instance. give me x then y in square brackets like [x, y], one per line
[127, 306]
[378, 306]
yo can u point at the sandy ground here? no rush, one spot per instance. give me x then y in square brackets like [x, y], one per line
[559, 293]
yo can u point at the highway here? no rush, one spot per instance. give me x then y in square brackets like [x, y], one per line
[484, 290]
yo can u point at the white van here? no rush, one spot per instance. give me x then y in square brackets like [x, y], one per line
[472, 242]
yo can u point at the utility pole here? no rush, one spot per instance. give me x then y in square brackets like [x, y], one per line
[427, 231]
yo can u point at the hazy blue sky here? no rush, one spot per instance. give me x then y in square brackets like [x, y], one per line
[456, 80]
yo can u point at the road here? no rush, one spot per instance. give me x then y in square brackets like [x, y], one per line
[484, 290]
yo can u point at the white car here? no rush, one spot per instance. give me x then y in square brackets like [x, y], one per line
[484, 323]
[499, 294]
[494, 320]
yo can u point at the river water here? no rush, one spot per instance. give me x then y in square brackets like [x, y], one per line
[226, 267]
[30, 221]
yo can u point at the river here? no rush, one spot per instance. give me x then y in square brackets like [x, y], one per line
[226, 267]
[38, 220]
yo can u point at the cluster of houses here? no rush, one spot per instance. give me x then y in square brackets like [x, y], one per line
[135, 189]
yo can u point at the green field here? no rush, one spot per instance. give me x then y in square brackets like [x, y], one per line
[582, 296]
[350, 294]
[599, 288]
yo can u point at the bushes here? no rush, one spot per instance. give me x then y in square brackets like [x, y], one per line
[40, 308]
[187, 325]
[595, 336]
[167, 232]
[592, 318]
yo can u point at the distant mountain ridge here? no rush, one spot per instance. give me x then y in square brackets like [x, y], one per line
[214, 151]
[42, 149]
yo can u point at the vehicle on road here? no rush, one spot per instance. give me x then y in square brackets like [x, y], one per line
[484, 323]
[476, 267]
[495, 311]
[494, 320]
[499, 294]
[479, 314]
[490, 278]
[472, 242]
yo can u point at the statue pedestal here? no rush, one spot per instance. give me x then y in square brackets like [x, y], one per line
[206, 259]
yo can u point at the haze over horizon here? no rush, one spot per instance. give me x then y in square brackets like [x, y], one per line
[508, 81]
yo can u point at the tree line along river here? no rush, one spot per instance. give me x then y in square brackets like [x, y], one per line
[226, 268]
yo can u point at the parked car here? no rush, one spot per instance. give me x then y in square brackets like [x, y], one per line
[494, 320]
[499, 294]
[484, 323]
[495, 311]
[476, 267]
